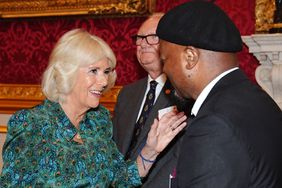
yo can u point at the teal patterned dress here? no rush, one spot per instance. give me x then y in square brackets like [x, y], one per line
[39, 151]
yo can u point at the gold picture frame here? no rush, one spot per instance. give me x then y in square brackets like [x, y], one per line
[265, 16]
[36, 8]
[14, 97]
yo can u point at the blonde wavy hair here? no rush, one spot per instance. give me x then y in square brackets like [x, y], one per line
[74, 49]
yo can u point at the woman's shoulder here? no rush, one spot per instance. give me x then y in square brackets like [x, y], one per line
[25, 117]
[18, 122]
[19, 116]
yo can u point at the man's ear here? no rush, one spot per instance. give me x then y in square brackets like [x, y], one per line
[191, 55]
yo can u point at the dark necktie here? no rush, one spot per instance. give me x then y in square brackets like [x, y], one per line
[149, 102]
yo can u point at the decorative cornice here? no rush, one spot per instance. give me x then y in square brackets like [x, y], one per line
[21, 92]
[32, 8]
[267, 49]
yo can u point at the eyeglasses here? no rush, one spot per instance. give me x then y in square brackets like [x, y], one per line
[151, 39]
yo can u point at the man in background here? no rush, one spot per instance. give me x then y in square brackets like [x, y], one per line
[138, 104]
[235, 138]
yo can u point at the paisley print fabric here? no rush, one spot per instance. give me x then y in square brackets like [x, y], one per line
[39, 151]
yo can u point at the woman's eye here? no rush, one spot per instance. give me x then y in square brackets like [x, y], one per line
[94, 71]
[107, 71]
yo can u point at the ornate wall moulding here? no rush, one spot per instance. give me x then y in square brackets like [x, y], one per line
[14, 97]
[267, 49]
[34, 8]
[17, 96]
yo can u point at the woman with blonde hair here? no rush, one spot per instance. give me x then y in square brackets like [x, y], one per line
[67, 140]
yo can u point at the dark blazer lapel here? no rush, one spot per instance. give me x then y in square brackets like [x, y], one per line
[162, 102]
[134, 107]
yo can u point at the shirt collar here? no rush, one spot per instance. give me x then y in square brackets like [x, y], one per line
[203, 95]
[65, 127]
[160, 79]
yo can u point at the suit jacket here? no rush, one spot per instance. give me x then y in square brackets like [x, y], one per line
[125, 115]
[235, 140]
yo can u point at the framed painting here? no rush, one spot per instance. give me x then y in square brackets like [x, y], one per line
[36, 8]
[268, 15]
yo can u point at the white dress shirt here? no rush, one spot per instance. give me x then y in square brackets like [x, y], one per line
[161, 82]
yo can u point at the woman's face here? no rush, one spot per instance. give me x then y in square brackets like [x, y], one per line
[91, 81]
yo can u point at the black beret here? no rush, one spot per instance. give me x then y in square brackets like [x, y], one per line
[200, 24]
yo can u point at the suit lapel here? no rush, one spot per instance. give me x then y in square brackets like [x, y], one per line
[134, 107]
[161, 102]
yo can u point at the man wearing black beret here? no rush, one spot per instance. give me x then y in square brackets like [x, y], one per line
[235, 138]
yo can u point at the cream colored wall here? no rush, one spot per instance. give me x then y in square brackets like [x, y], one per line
[2, 140]
[4, 118]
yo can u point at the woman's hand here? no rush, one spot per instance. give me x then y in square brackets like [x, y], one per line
[164, 130]
[161, 134]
